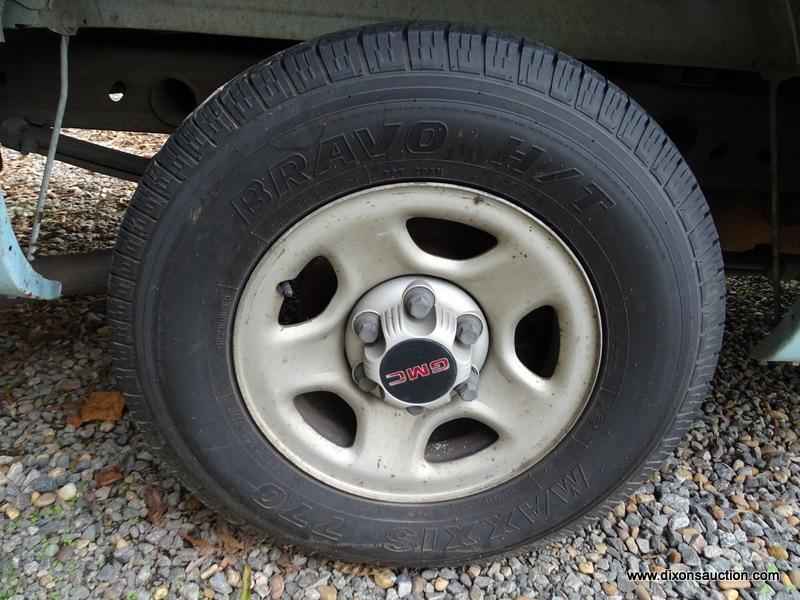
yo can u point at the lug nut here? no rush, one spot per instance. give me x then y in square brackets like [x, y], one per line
[414, 410]
[419, 301]
[469, 389]
[364, 383]
[468, 329]
[368, 327]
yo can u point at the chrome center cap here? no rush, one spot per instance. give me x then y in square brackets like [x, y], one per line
[417, 342]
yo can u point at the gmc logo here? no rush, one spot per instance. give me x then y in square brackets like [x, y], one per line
[424, 370]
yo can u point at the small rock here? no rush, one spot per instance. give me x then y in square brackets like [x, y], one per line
[609, 588]
[384, 579]
[676, 502]
[689, 554]
[44, 500]
[276, 586]
[326, 592]
[106, 573]
[476, 593]
[679, 521]
[740, 501]
[68, 492]
[160, 593]
[191, 591]
[234, 579]
[404, 586]
[794, 577]
[585, 568]
[219, 583]
[12, 512]
[737, 584]
[210, 572]
[674, 557]
[641, 592]
[123, 555]
[64, 554]
[440, 584]
[572, 582]
[778, 552]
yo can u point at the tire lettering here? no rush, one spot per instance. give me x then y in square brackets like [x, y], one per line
[501, 525]
[400, 540]
[295, 515]
[461, 535]
[512, 157]
[425, 137]
[273, 498]
[333, 152]
[376, 148]
[429, 539]
[571, 486]
[250, 202]
[559, 175]
[269, 496]
[593, 197]
[533, 512]
[289, 174]
[331, 529]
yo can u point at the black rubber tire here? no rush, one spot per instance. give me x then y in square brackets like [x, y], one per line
[411, 102]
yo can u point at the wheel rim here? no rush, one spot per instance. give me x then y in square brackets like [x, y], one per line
[288, 373]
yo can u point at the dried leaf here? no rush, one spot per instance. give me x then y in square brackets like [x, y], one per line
[230, 543]
[285, 561]
[156, 507]
[194, 503]
[107, 476]
[196, 542]
[100, 406]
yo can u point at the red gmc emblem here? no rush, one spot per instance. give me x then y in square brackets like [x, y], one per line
[424, 370]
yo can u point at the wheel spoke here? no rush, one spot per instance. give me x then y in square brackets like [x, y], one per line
[381, 249]
[311, 356]
[523, 408]
[508, 283]
[391, 442]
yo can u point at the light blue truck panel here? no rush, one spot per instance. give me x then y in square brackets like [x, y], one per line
[17, 276]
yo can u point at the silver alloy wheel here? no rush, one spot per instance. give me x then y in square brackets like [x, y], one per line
[366, 239]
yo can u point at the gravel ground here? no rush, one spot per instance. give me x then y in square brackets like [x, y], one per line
[87, 512]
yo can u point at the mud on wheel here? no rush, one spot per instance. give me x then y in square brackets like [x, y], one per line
[416, 294]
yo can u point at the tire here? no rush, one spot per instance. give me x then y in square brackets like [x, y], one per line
[403, 103]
